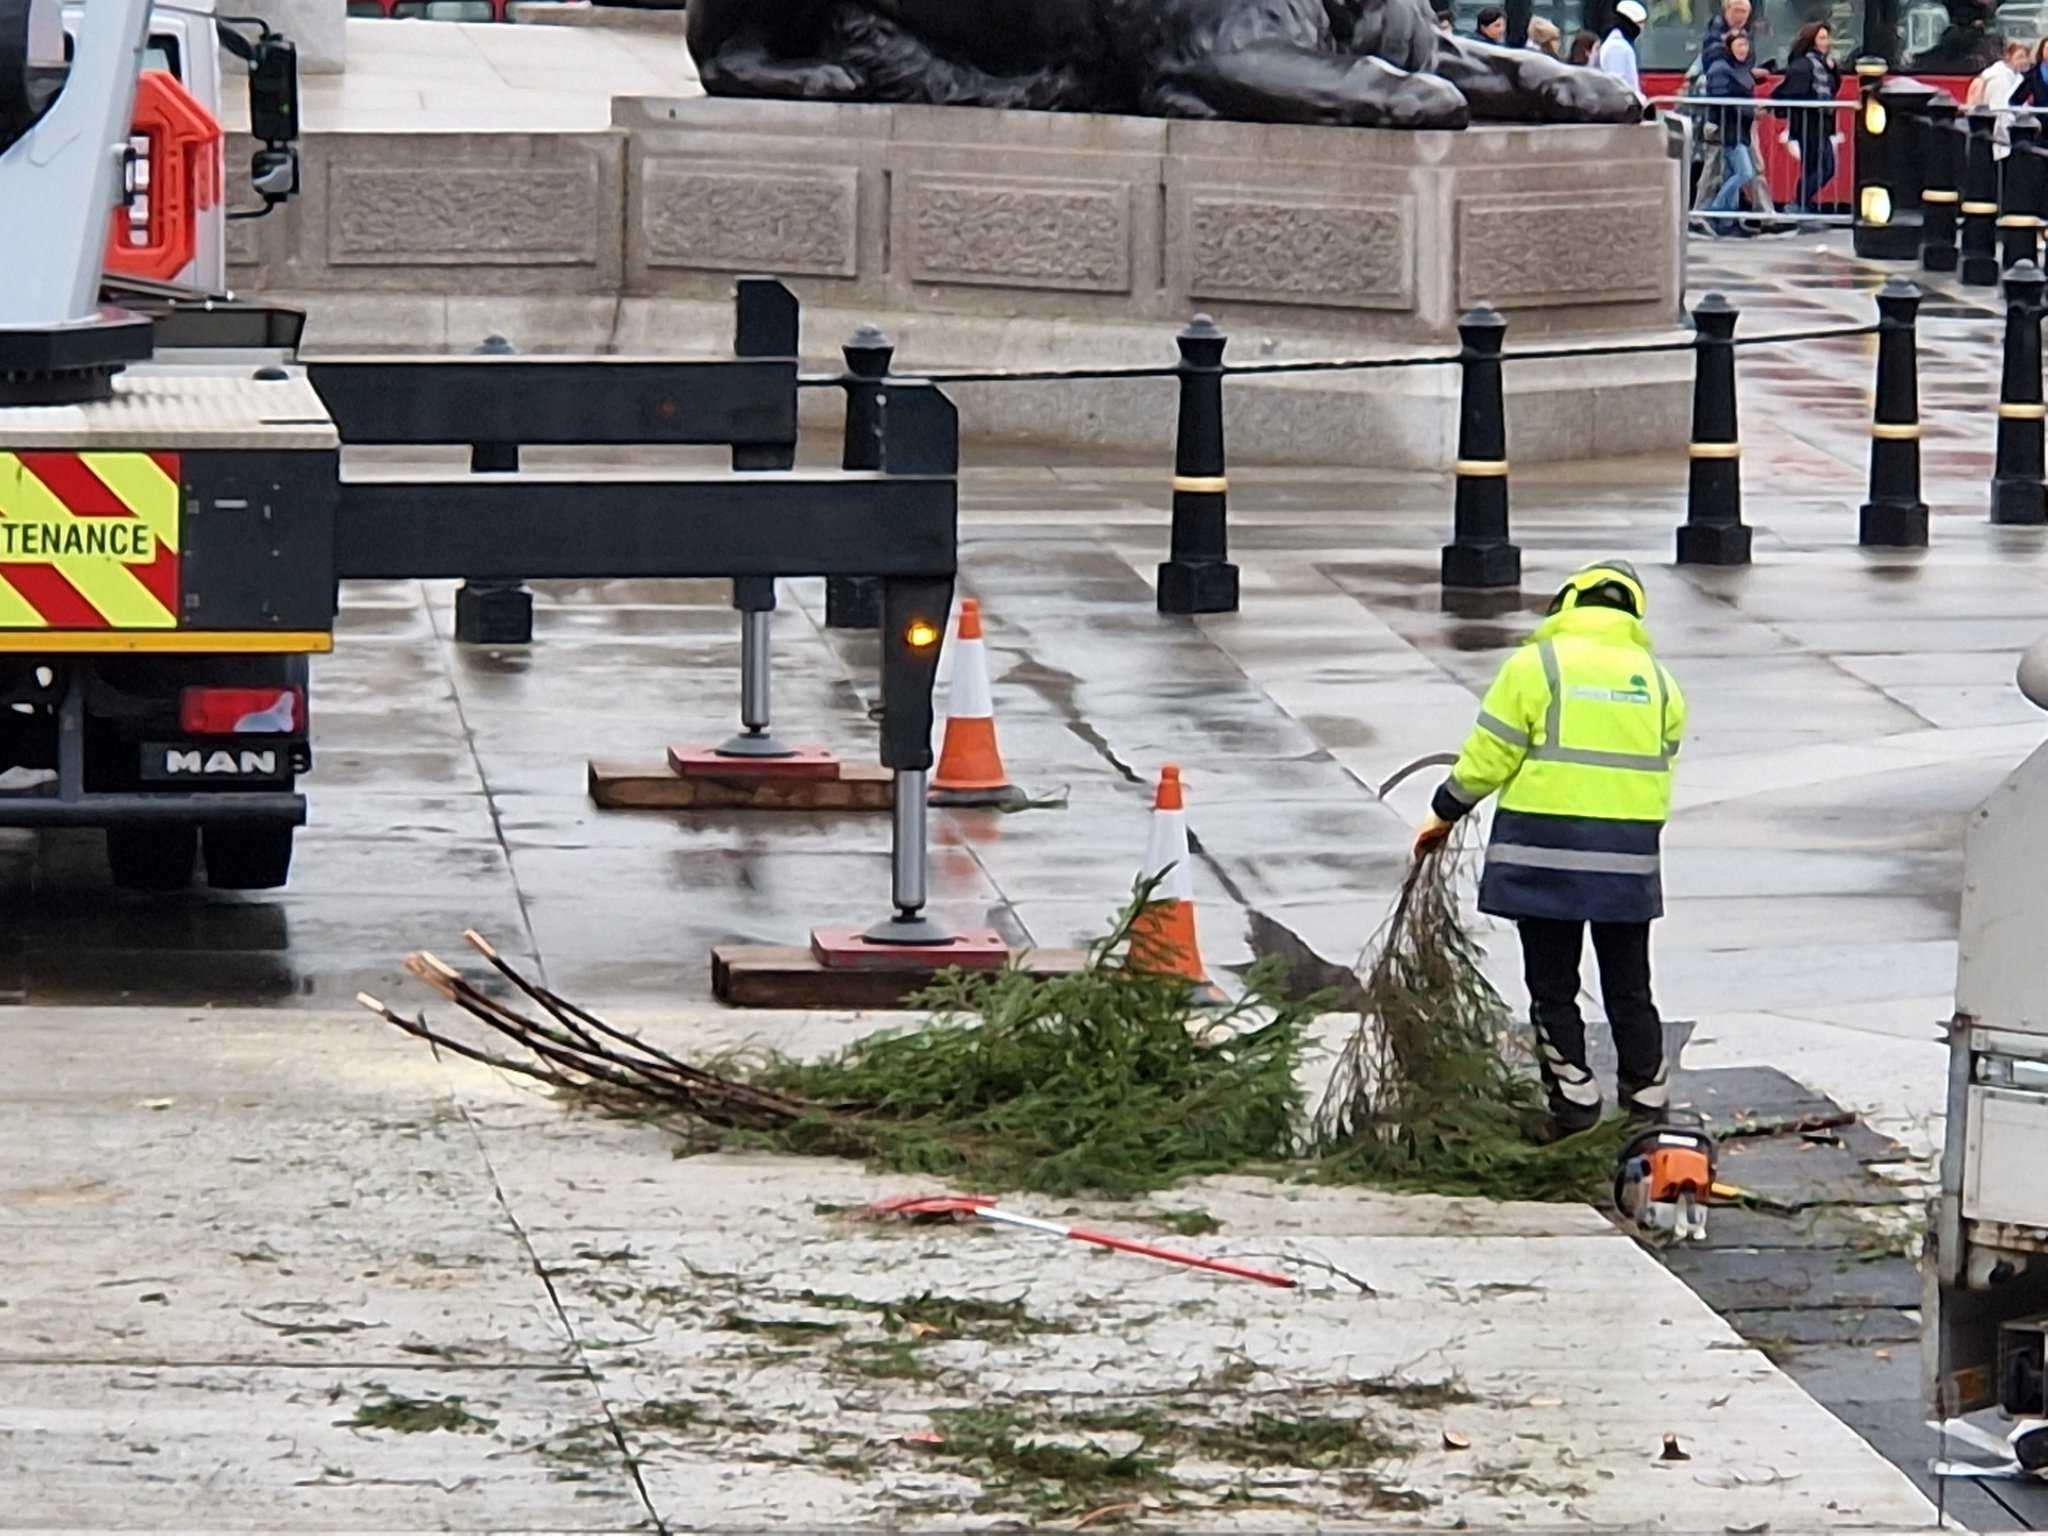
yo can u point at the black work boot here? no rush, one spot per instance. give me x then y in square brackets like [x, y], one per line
[1569, 1119]
[1646, 1103]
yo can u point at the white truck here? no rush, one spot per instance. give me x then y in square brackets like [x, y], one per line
[1985, 1315]
[167, 568]
[188, 41]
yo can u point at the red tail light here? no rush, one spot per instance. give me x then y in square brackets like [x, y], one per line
[242, 711]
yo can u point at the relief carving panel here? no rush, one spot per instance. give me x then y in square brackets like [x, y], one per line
[787, 219]
[462, 215]
[1537, 250]
[1352, 254]
[1016, 233]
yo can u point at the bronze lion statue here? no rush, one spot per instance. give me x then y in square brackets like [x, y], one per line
[1355, 63]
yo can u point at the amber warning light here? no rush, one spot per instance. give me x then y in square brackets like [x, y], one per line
[921, 634]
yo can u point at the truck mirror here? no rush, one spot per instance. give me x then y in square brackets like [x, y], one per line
[274, 173]
[273, 91]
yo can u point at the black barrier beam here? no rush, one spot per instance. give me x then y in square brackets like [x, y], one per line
[1979, 267]
[548, 526]
[1942, 142]
[1197, 576]
[2017, 492]
[494, 612]
[767, 324]
[1713, 532]
[550, 402]
[1479, 554]
[855, 602]
[2019, 196]
[1895, 516]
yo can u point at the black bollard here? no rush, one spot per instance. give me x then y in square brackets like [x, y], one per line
[2019, 197]
[1197, 576]
[2017, 491]
[1713, 532]
[1942, 139]
[1895, 516]
[494, 612]
[1479, 554]
[1980, 204]
[855, 602]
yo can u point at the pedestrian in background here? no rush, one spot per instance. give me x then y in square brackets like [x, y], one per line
[1617, 56]
[1732, 17]
[1994, 88]
[1577, 735]
[1492, 26]
[2032, 91]
[1730, 80]
[1810, 75]
[1543, 36]
[1584, 46]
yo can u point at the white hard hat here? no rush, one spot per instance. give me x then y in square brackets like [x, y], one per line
[1634, 11]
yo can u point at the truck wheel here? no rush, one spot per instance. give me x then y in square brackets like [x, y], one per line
[152, 858]
[257, 858]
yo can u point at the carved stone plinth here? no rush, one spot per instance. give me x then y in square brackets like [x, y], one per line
[1026, 239]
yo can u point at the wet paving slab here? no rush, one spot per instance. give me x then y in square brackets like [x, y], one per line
[1848, 710]
[448, 786]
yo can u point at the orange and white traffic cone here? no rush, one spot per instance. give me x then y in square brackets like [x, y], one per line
[1163, 938]
[970, 768]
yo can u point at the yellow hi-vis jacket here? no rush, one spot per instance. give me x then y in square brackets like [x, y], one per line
[1577, 734]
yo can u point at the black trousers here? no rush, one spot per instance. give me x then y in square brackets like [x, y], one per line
[1550, 964]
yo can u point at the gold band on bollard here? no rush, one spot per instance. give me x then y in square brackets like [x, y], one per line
[1207, 485]
[1980, 207]
[1480, 469]
[2020, 410]
[1939, 195]
[1895, 431]
[2017, 221]
[1870, 66]
[1714, 450]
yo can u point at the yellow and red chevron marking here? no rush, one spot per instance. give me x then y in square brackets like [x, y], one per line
[89, 541]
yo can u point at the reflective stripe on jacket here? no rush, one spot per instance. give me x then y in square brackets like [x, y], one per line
[1577, 735]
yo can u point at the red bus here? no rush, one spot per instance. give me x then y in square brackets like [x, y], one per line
[431, 10]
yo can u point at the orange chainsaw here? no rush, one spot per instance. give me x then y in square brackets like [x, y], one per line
[1664, 1180]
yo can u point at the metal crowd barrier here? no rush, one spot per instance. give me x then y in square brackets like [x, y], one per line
[1785, 138]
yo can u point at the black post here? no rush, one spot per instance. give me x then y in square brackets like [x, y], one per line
[2019, 197]
[1713, 532]
[1197, 576]
[1942, 139]
[494, 612]
[855, 602]
[766, 323]
[1895, 515]
[2017, 491]
[1479, 554]
[1980, 204]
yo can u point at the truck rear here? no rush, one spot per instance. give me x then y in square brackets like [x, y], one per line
[1985, 1317]
[166, 571]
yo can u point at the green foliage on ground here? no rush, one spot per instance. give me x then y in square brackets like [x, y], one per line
[1436, 1091]
[405, 1415]
[1112, 1080]
[1115, 1080]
